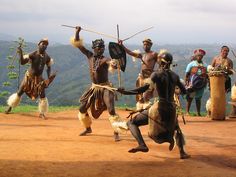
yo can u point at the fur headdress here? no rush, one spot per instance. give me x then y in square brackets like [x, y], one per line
[148, 41]
[44, 40]
[98, 43]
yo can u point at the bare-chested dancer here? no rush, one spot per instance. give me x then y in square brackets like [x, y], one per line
[101, 95]
[33, 83]
[149, 58]
[161, 116]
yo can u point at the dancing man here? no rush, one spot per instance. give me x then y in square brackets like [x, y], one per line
[161, 116]
[33, 83]
[100, 96]
[149, 58]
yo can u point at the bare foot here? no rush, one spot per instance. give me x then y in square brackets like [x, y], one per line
[116, 137]
[184, 155]
[8, 110]
[172, 144]
[42, 116]
[139, 148]
[86, 131]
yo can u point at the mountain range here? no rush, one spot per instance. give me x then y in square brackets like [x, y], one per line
[73, 76]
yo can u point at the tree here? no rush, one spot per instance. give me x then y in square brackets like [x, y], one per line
[13, 68]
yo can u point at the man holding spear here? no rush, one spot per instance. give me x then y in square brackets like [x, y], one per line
[149, 58]
[100, 96]
[33, 83]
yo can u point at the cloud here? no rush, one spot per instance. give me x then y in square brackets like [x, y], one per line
[174, 20]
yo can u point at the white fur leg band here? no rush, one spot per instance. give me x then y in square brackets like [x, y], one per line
[13, 100]
[118, 124]
[43, 105]
[85, 120]
[139, 105]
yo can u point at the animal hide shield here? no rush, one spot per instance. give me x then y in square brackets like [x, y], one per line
[117, 52]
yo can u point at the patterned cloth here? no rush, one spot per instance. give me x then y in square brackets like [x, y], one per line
[33, 86]
[199, 70]
[93, 98]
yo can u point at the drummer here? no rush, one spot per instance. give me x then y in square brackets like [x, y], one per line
[226, 64]
[196, 80]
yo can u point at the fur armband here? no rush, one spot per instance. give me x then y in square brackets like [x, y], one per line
[137, 52]
[75, 43]
[26, 56]
[51, 62]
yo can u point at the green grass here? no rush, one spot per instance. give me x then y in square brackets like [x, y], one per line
[194, 114]
[30, 108]
[33, 108]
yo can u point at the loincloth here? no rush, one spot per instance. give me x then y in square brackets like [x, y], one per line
[162, 121]
[93, 98]
[33, 86]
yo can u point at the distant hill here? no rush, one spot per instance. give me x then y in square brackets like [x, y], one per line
[7, 37]
[73, 75]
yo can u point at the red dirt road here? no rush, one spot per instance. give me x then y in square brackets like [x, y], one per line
[31, 147]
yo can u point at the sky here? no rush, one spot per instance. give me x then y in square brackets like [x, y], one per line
[173, 21]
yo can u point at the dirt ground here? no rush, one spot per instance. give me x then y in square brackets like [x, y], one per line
[31, 147]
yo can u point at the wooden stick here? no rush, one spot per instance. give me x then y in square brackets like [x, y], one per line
[118, 69]
[233, 53]
[108, 35]
[92, 31]
[137, 33]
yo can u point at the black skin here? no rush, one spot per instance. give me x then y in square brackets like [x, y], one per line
[38, 60]
[149, 59]
[35, 68]
[166, 82]
[99, 76]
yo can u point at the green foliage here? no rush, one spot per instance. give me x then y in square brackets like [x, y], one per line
[73, 76]
[10, 57]
[4, 93]
[5, 84]
[10, 67]
[12, 73]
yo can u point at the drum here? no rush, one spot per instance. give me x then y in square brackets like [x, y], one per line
[218, 96]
